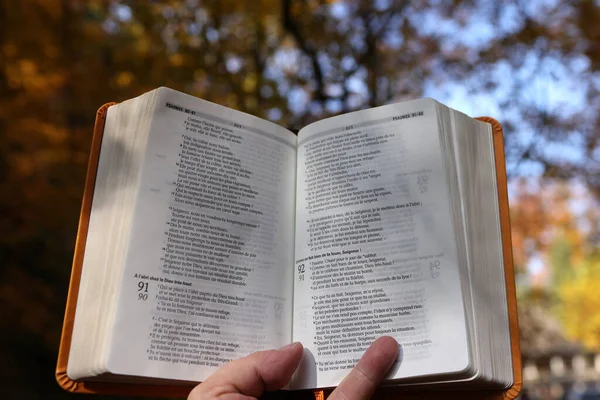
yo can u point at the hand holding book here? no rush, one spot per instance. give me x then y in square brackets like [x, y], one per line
[270, 370]
[207, 234]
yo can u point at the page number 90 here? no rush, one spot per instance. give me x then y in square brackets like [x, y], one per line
[142, 291]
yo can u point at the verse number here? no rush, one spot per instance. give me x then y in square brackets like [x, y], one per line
[142, 291]
[434, 268]
[301, 272]
[278, 309]
[423, 182]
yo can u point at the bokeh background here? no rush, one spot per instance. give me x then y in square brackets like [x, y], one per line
[531, 64]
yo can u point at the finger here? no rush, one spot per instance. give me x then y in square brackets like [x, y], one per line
[252, 375]
[362, 381]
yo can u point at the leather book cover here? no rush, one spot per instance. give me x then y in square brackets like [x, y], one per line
[129, 389]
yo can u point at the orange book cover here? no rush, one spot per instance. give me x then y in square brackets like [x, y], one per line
[182, 391]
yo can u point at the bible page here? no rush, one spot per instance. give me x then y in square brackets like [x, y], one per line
[375, 246]
[208, 274]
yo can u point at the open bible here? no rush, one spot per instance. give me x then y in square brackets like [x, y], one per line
[208, 234]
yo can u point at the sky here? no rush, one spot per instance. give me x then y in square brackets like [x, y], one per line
[550, 84]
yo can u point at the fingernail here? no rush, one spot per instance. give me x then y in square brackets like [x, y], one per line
[290, 346]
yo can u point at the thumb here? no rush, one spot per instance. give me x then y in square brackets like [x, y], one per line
[251, 376]
[362, 381]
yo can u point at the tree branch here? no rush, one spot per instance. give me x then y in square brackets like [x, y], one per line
[289, 24]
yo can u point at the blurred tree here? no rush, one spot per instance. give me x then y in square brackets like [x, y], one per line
[579, 306]
[539, 60]
[553, 220]
[289, 61]
[554, 230]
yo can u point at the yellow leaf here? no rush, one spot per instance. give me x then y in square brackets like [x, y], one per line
[176, 59]
[124, 78]
[249, 83]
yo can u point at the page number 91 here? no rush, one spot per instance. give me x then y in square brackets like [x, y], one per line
[142, 291]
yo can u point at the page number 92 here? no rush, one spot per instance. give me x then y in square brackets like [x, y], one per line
[301, 272]
[142, 291]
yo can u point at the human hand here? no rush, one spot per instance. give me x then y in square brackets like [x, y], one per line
[249, 377]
